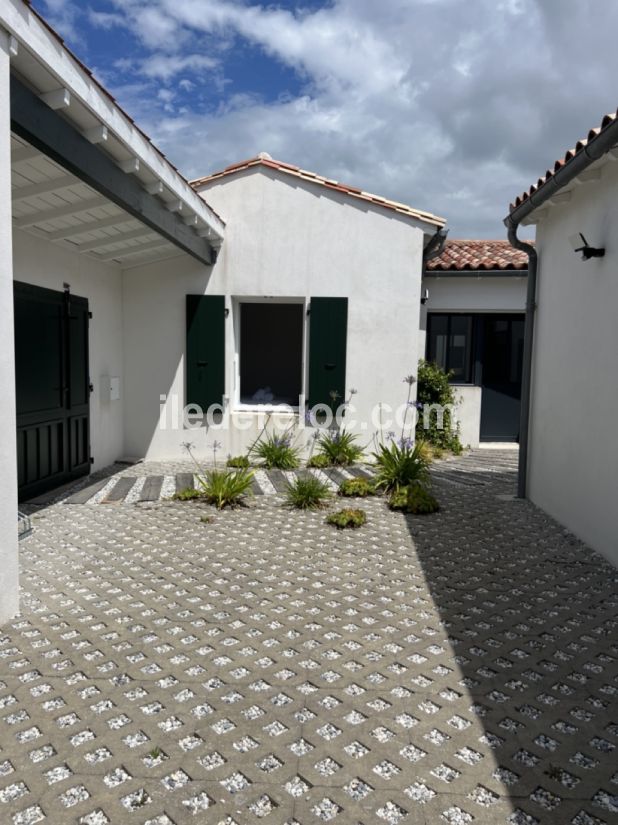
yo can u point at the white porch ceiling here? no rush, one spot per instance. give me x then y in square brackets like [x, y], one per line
[56, 206]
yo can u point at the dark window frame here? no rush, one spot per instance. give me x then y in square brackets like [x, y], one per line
[472, 367]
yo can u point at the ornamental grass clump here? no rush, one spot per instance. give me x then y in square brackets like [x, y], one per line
[400, 464]
[319, 462]
[347, 518]
[225, 488]
[307, 493]
[339, 447]
[240, 462]
[277, 452]
[357, 487]
[415, 499]
[188, 494]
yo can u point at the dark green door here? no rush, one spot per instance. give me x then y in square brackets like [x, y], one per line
[52, 388]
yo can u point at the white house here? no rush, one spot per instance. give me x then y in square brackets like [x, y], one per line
[120, 286]
[569, 452]
[315, 290]
[472, 324]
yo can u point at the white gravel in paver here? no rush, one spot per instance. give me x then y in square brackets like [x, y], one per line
[265, 483]
[135, 491]
[168, 488]
[97, 498]
[324, 478]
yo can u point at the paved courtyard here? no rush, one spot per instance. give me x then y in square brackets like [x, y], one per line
[456, 668]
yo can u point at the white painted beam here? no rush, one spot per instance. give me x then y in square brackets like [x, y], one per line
[45, 187]
[44, 215]
[102, 243]
[191, 220]
[13, 46]
[24, 153]
[119, 254]
[98, 134]
[92, 225]
[175, 206]
[58, 99]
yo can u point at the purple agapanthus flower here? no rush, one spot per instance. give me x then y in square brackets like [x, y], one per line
[406, 443]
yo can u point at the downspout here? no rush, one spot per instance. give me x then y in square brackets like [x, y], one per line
[604, 141]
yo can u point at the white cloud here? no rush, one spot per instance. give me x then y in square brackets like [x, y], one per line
[454, 107]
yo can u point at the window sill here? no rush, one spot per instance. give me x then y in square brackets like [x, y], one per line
[269, 409]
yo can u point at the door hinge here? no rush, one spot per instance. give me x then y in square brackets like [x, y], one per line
[91, 459]
[90, 387]
[90, 315]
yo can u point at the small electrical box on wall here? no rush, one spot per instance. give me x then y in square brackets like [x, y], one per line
[110, 388]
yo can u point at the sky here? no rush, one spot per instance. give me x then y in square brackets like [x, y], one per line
[452, 106]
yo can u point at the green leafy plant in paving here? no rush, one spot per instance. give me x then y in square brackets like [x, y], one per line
[339, 446]
[225, 488]
[401, 464]
[307, 493]
[277, 452]
[319, 462]
[207, 519]
[240, 462]
[434, 389]
[188, 494]
[347, 518]
[415, 499]
[359, 487]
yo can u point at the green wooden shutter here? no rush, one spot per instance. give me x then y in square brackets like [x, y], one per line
[328, 332]
[205, 350]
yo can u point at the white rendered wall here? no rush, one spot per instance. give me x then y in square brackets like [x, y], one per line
[9, 574]
[468, 413]
[288, 239]
[45, 264]
[573, 457]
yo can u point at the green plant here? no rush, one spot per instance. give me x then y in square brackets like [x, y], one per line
[414, 499]
[277, 452]
[339, 446]
[188, 494]
[241, 462]
[319, 461]
[307, 493]
[347, 518]
[401, 464]
[225, 488]
[435, 391]
[360, 487]
[206, 519]
[421, 501]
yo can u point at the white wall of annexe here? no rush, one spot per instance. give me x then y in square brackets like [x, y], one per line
[572, 453]
[284, 239]
[48, 265]
[9, 576]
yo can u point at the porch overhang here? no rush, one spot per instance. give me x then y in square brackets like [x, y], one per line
[103, 175]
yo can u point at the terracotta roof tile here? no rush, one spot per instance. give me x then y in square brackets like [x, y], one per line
[568, 156]
[287, 168]
[474, 256]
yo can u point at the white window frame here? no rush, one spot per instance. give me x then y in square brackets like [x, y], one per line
[237, 405]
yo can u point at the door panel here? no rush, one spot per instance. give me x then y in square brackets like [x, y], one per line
[52, 388]
[502, 359]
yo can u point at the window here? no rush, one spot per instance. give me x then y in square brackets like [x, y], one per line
[271, 353]
[449, 344]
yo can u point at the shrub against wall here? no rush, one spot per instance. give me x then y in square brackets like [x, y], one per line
[434, 389]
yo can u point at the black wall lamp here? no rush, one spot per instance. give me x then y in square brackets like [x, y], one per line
[580, 244]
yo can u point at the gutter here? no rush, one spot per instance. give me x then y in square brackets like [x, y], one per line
[596, 147]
